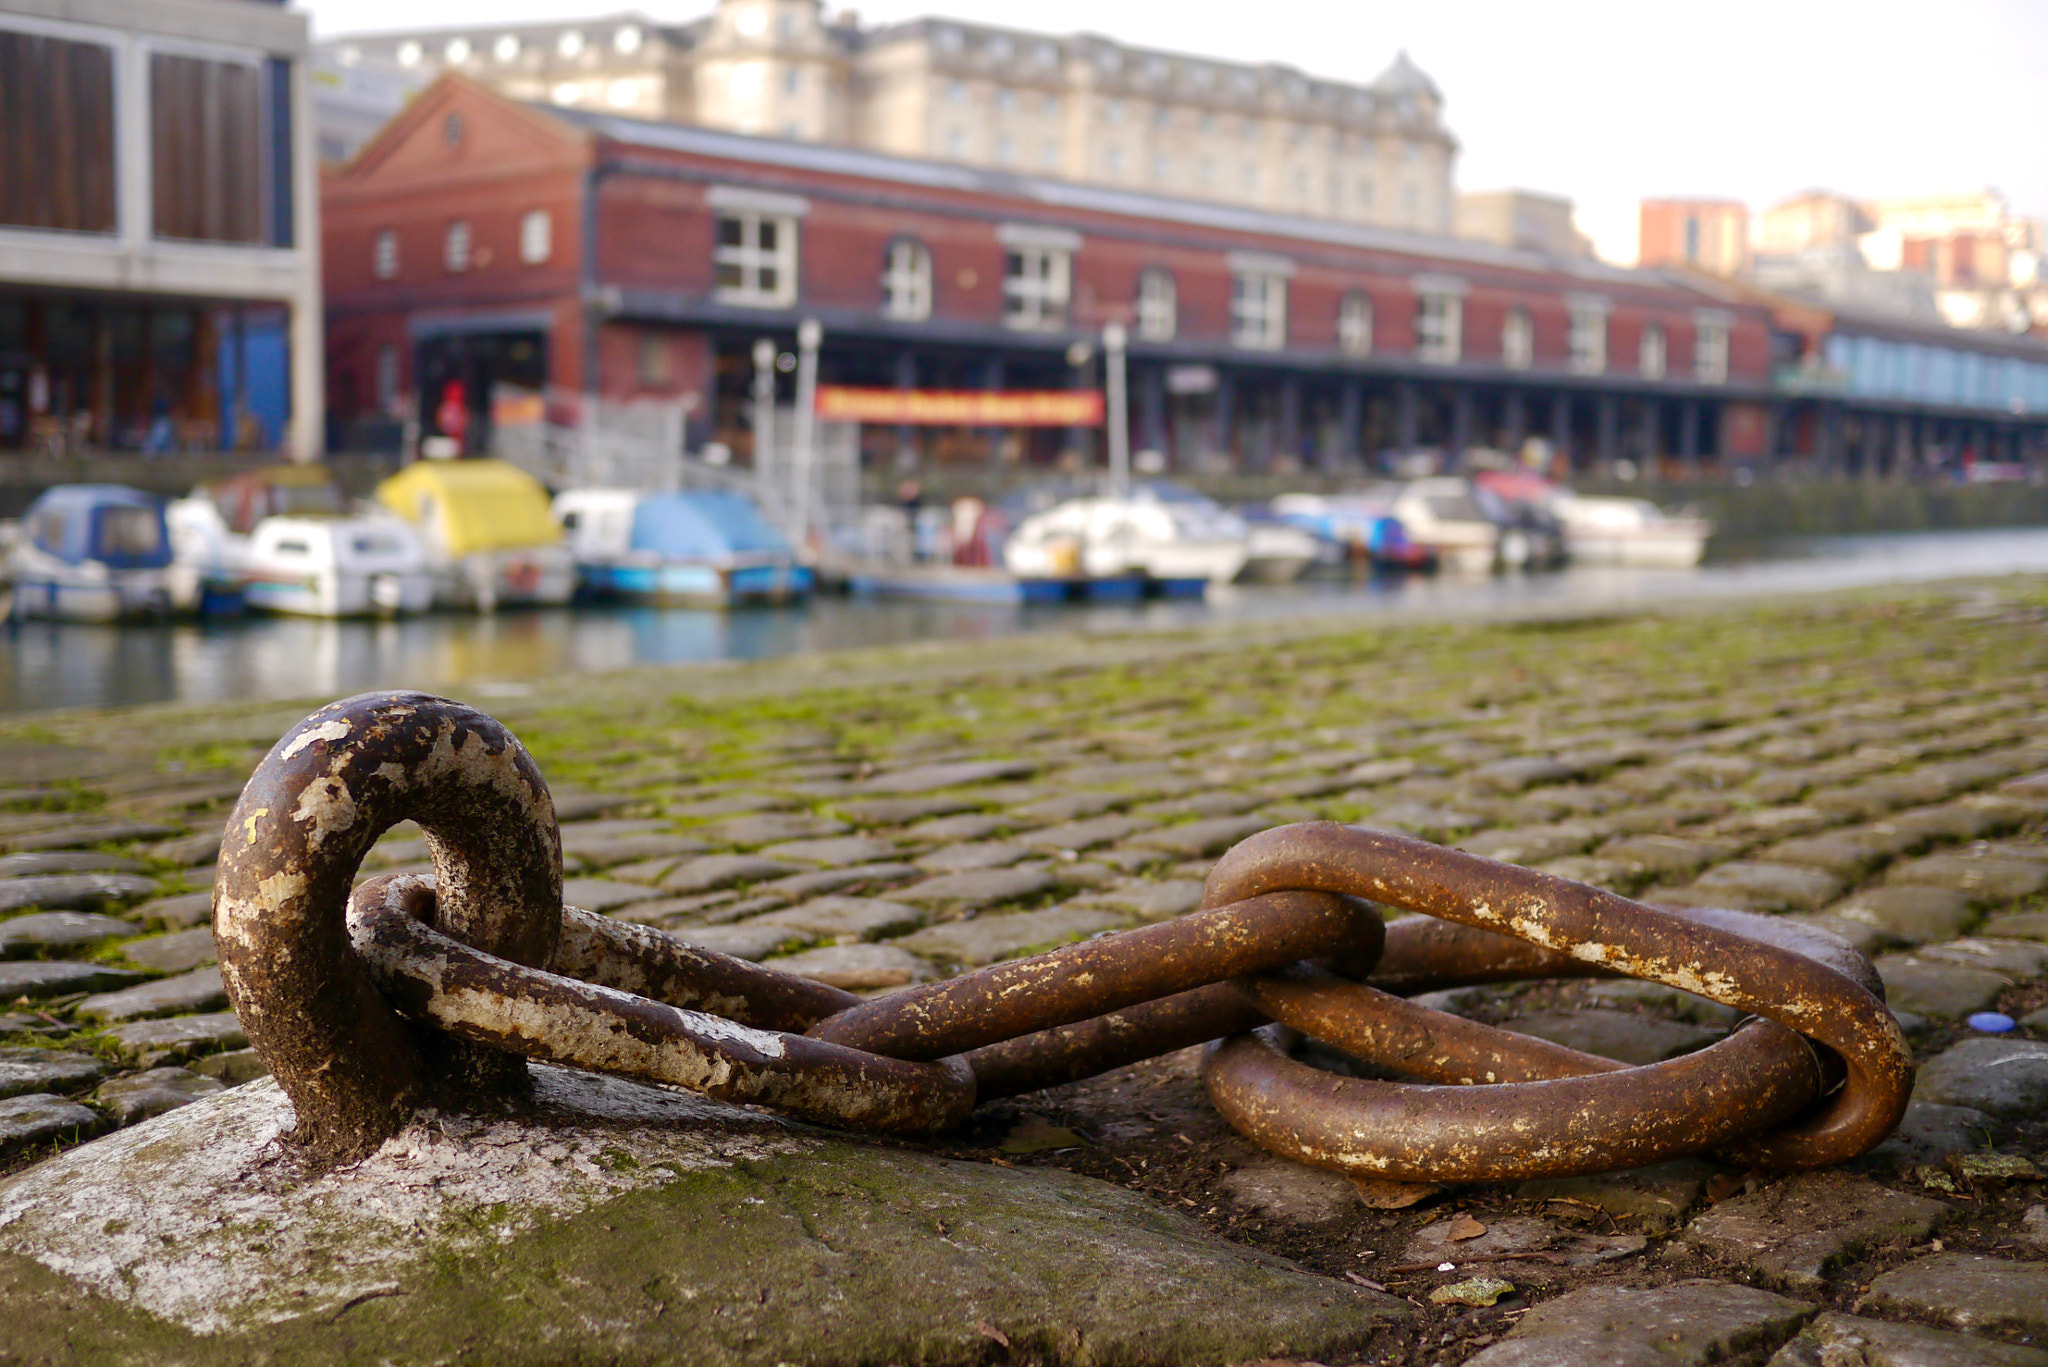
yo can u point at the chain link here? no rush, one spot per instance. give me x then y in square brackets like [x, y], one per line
[1289, 943]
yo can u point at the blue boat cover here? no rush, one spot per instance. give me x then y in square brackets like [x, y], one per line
[703, 524]
[112, 523]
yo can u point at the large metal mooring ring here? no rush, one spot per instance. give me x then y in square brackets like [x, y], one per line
[1578, 929]
[309, 814]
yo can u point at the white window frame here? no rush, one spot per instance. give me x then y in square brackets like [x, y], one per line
[1653, 352]
[747, 258]
[457, 246]
[1038, 275]
[1587, 334]
[536, 236]
[1710, 346]
[1258, 310]
[1354, 323]
[1158, 308]
[907, 281]
[1439, 319]
[384, 254]
[1517, 339]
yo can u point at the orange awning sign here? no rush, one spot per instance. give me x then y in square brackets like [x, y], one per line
[962, 407]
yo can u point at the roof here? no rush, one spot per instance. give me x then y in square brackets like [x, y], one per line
[753, 151]
[468, 506]
[1406, 78]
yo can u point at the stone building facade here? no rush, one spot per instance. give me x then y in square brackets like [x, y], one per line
[1077, 107]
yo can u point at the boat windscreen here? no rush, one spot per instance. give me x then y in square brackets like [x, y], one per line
[130, 537]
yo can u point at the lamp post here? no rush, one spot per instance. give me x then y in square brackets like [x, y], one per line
[1113, 341]
[808, 334]
[764, 404]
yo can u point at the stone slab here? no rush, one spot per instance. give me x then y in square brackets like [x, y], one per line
[621, 1224]
[23, 1071]
[2000, 1076]
[68, 861]
[1790, 1234]
[142, 1096]
[148, 1043]
[79, 834]
[1085, 835]
[1909, 914]
[1148, 901]
[45, 931]
[183, 909]
[986, 939]
[846, 918]
[2014, 958]
[969, 855]
[742, 939]
[1619, 1035]
[199, 990]
[1966, 1291]
[178, 952]
[1835, 1340]
[1658, 1195]
[1928, 1133]
[1987, 881]
[72, 891]
[980, 888]
[709, 871]
[1198, 839]
[599, 852]
[1931, 987]
[1765, 886]
[838, 851]
[929, 778]
[36, 978]
[41, 1118]
[1685, 1324]
[857, 967]
[603, 894]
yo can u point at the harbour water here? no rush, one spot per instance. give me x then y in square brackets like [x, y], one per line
[49, 665]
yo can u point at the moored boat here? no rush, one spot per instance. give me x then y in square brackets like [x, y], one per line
[490, 538]
[1630, 531]
[1158, 539]
[695, 548]
[358, 566]
[92, 553]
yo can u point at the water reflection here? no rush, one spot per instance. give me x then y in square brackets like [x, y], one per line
[51, 664]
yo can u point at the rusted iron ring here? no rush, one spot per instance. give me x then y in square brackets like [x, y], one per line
[1595, 932]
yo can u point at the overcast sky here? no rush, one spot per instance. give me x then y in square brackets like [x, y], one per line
[1605, 101]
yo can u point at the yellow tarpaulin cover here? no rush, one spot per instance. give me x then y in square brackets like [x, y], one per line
[472, 505]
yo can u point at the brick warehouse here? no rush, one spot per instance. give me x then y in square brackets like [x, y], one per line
[491, 243]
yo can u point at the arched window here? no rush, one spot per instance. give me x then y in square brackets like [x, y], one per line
[1651, 360]
[1517, 339]
[1158, 305]
[907, 280]
[1354, 324]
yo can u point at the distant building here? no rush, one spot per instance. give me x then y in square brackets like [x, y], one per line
[1075, 107]
[1815, 219]
[1710, 235]
[482, 253]
[1523, 219]
[159, 282]
[1983, 262]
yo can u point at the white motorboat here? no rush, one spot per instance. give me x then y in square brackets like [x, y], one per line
[361, 566]
[694, 548]
[1444, 514]
[1158, 538]
[1277, 552]
[92, 553]
[1630, 531]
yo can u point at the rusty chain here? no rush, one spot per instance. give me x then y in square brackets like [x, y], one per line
[368, 1003]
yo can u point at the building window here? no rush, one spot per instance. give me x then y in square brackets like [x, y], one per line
[907, 281]
[455, 246]
[1650, 360]
[1162, 167]
[1113, 161]
[1439, 326]
[793, 80]
[1588, 337]
[536, 236]
[756, 258]
[956, 92]
[216, 164]
[1006, 150]
[1517, 339]
[1006, 99]
[1049, 155]
[1158, 305]
[72, 153]
[1710, 349]
[384, 255]
[1365, 193]
[1258, 310]
[1354, 324]
[386, 378]
[956, 143]
[652, 361]
[1037, 281]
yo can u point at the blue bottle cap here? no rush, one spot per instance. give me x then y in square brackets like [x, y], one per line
[1991, 1022]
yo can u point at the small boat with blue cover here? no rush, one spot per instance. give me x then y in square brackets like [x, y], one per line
[694, 548]
[92, 553]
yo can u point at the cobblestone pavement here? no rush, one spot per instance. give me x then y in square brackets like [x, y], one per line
[1874, 764]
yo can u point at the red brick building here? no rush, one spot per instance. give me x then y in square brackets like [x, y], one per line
[477, 242]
